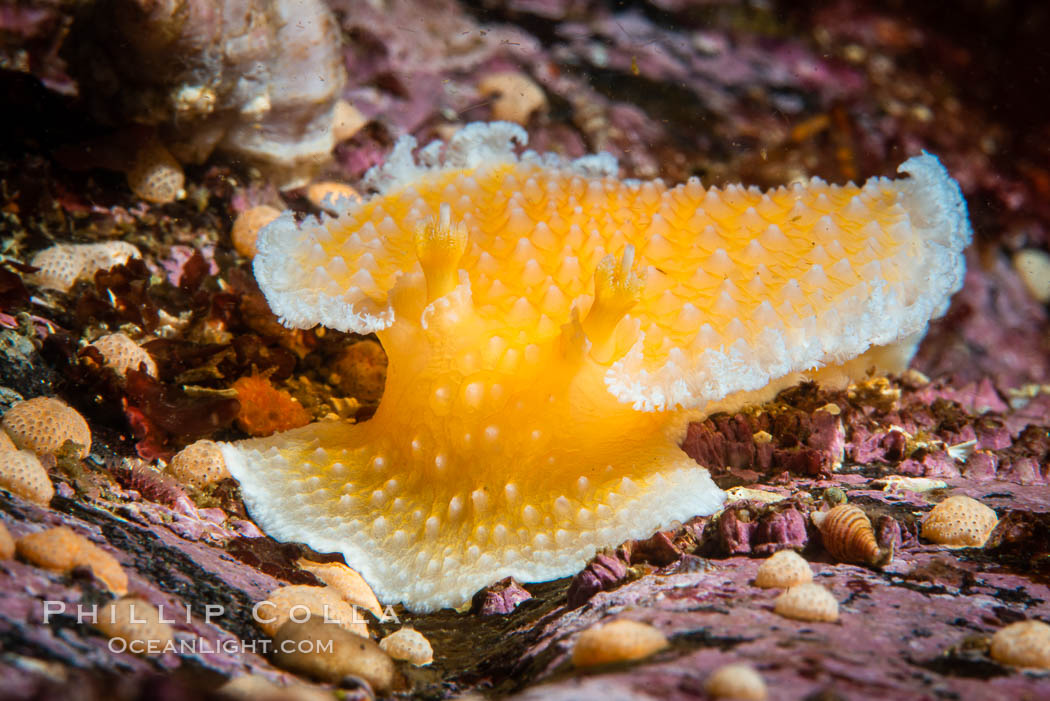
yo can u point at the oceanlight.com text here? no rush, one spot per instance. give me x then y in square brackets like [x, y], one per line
[203, 646]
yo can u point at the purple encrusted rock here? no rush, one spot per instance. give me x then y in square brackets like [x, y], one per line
[1021, 534]
[501, 598]
[888, 532]
[602, 573]
[735, 528]
[981, 466]
[780, 530]
[658, 550]
[827, 435]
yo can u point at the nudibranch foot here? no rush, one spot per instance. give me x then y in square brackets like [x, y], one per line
[550, 331]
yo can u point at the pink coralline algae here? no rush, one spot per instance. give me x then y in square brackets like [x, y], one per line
[799, 442]
[659, 550]
[501, 598]
[602, 573]
[932, 464]
[910, 426]
[780, 529]
[1023, 536]
[748, 527]
[888, 533]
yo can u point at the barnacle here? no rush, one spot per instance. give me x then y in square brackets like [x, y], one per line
[63, 264]
[21, 473]
[619, 641]
[1033, 265]
[247, 225]
[1022, 644]
[297, 600]
[410, 645]
[849, 537]
[959, 522]
[551, 330]
[44, 424]
[7, 543]
[155, 175]
[199, 464]
[347, 120]
[123, 354]
[515, 96]
[350, 585]
[736, 681]
[807, 602]
[783, 569]
[137, 623]
[327, 652]
[60, 550]
[331, 196]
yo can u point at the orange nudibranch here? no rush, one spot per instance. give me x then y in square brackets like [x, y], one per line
[552, 329]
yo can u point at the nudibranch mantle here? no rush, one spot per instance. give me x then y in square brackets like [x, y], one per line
[551, 330]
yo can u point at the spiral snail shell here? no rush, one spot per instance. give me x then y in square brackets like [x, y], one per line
[849, 537]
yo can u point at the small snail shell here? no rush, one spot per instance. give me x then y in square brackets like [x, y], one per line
[849, 537]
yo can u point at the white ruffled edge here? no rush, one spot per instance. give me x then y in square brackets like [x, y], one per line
[937, 210]
[291, 287]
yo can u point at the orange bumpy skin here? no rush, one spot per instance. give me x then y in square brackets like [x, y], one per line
[551, 330]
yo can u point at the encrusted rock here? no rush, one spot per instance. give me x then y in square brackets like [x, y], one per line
[500, 598]
[603, 572]
[619, 641]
